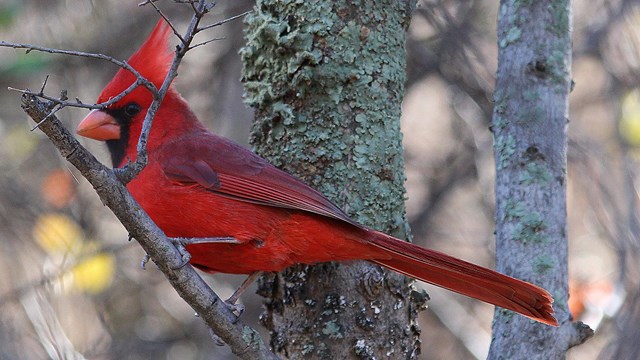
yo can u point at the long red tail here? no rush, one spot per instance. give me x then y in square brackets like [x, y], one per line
[465, 278]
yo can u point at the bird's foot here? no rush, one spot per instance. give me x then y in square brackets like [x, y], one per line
[236, 309]
[184, 254]
[144, 261]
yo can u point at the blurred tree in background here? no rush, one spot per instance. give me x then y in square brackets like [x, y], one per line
[72, 285]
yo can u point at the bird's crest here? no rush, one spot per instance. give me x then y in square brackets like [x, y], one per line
[152, 61]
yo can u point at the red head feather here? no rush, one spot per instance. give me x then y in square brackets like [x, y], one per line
[120, 130]
[152, 61]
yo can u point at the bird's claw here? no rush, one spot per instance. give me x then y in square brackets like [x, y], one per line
[144, 261]
[186, 257]
[184, 254]
[236, 309]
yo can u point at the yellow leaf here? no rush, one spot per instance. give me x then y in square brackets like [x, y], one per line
[19, 143]
[57, 233]
[94, 274]
[629, 126]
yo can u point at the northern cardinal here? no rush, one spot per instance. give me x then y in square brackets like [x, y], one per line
[200, 185]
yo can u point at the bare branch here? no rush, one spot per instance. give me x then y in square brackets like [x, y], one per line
[147, 2]
[17, 292]
[51, 113]
[166, 19]
[78, 103]
[243, 340]
[123, 64]
[110, 186]
[224, 21]
[44, 83]
[132, 169]
[206, 42]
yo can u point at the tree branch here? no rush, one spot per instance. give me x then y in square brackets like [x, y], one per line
[120, 63]
[110, 186]
[132, 169]
[243, 340]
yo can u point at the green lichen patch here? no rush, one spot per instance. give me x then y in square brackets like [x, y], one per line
[505, 147]
[514, 210]
[332, 330]
[535, 173]
[327, 91]
[513, 35]
[542, 264]
[530, 229]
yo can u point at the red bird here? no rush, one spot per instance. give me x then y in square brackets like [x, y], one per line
[200, 185]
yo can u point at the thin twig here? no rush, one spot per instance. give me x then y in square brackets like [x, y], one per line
[17, 292]
[243, 341]
[132, 169]
[120, 63]
[166, 19]
[224, 21]
[147, 2]
[44, 83]
[78, 103]
[109, 184]
[51, 113]
[206, 42]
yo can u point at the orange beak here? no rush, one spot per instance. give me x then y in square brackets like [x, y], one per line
[99, 125]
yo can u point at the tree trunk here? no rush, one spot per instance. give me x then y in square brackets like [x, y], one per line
[530, 142]
[326, 79]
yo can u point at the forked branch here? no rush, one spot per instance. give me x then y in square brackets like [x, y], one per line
[109, 184]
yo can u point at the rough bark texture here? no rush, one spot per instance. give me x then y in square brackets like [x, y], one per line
[530, 132]
[326, 80]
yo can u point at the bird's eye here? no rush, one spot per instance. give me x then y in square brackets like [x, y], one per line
[131, 110]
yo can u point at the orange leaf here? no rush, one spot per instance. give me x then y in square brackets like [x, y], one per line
[58, 188]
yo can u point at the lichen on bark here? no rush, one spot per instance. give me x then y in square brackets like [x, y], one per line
[530, 145]
[326, 80]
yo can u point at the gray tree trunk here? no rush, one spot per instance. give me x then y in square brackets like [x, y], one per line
[326, 79]
[530, 141]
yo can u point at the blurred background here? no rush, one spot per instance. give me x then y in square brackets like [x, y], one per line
[71, 284]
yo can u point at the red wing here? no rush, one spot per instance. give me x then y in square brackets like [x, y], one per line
[226, 168]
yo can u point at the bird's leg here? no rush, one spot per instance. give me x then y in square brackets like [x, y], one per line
[207, 240]
[231, 301]
[245, 284]
[145, 258]
[181, 242]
